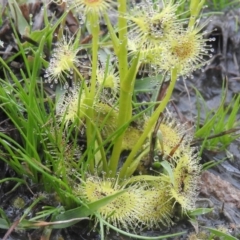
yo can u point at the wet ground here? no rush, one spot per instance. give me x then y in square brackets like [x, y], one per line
[220, 186]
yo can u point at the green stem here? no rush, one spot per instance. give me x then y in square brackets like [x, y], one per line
[94, 25]
[122, 118]
[125, 99]
[125, 111]
[122, 26]
[111, 30]
[85, 87]
[195, 8]
[150, 125]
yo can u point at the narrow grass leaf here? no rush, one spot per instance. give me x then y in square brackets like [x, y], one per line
[84, 211]
[141, 237]
[220, 234]
[4, 224]
[200, 211]
[168, 168]
[22, 24]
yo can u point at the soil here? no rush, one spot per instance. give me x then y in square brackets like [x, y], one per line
[220, 186]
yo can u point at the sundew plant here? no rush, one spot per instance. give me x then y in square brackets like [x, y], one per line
[78, 132]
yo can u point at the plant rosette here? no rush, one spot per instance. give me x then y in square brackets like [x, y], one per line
[171, 137]
[184, 182]
[64, 60]
[159, 206]
[150, 28]
[72, 106]
[186, 51]
[122, 212]
[150, 25]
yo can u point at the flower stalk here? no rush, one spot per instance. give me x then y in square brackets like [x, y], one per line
[125, 99]
[122, 54]
[95, 28]
[195, 8]
[151, 122]
[125, 112]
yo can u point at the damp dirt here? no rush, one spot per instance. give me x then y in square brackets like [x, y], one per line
[219, 187]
